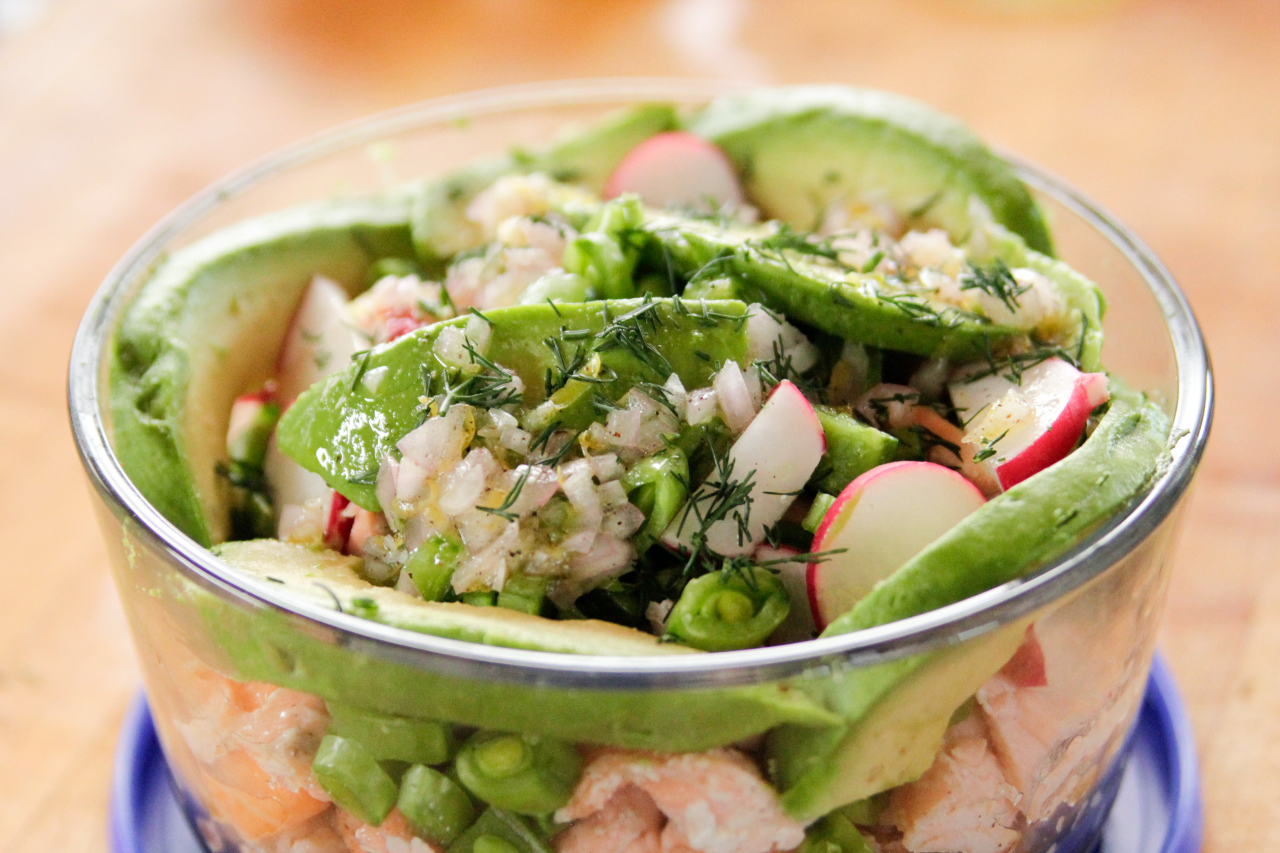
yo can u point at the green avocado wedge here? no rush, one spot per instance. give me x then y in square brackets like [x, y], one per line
[999, 542]
[330, 579]
[789, 274]
[852, 305]
[440, 225]
[205, 328]
[800, 148]
[266, 645]
[342, 429]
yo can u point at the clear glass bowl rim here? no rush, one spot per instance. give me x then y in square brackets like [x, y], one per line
[948, 625]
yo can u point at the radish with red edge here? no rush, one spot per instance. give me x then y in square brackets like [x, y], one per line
[337, 529]
[1017, 430]
[779, 450]
[320, 340]
[676, 169]
[881, 520]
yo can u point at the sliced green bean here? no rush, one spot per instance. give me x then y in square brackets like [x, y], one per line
[436, 806]
[658, 486]
[391, 737]
[524, 593]
[734, 608]
[354, 779]
[834, 833]
[813, 518]
[526, 774]
[501, 825]
[432, 564]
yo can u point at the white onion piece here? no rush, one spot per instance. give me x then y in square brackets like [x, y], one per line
[478, 528]
[373, 378]
[754, 389]
[451, 347]
[488, 568]
[385, 490]
[641, 402]
[621, 521]
[606, 557]
[410, 481]
[702, 406]
[540, 483]
[581, 492]
[421, 527]
[657, 613]
[611, 494]
[478, 333]
[437, 445]
[605, 467]
[622, 427]
[734, 397]
[466, 482]
[889, 405]
[676, 395]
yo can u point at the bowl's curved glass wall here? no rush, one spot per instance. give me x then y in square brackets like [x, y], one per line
[243, 685]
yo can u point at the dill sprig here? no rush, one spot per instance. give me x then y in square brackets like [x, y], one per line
[721, 497]
[996, 280]
[989, 447]
[491, 387]
[503, 510]
[630, 332]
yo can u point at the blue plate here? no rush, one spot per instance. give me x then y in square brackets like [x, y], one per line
[1157, 809]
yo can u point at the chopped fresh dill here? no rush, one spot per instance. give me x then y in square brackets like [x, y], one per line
[543, 437]
[989, 448]
[996, 280]
[362, 365]
[503, 510]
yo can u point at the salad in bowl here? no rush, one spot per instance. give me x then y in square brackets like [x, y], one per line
[730, 474]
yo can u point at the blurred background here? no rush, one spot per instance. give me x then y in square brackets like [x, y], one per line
[1167, 113]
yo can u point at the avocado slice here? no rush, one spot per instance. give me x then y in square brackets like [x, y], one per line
[267, 645]
[1010, 534]
[799, 148]
[440, 225]
[342, 430]
[898, 737]
[855, 306]
[330, 579]
[206, 326]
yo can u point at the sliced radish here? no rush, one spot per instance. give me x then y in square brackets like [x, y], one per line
[319, 342]
[337, 529]
[882, 519]
[779, 450]
[1023, 428]
[676, 169]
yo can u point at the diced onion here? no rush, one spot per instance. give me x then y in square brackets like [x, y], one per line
[734, 397]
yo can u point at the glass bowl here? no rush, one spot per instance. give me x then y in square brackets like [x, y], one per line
[242, 679]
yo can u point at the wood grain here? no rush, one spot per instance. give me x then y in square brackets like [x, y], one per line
[111, 114]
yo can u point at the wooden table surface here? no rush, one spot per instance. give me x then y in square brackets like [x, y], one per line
[1168, 113]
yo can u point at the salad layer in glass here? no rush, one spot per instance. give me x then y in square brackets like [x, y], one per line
[798, 362]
